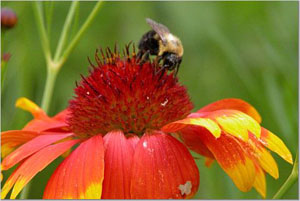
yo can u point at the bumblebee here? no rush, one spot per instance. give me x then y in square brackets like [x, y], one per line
[160, 42]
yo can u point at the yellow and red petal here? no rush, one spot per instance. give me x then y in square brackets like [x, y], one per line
[163, 168]
[12, 139]
[274, 143]
[81, 174]
[265, 159]
[260, 182]
[235, 123]
[207, 123]
[30, 148]
[119, 153]
[233, 159]
[32, 165]
[232, 104]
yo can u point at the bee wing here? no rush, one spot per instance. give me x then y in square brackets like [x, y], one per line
[160, 29]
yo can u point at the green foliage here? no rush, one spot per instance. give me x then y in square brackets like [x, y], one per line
[246, 50]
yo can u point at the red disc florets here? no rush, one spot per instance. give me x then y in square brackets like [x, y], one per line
[121, 93]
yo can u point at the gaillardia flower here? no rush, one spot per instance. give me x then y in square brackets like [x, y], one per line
[133, 129]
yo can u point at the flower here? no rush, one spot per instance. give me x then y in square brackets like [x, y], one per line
[133, 128]
[8, 18]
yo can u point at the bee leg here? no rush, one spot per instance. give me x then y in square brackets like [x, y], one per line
[162, 70]
[156, 62]
[176, 70]
[145, 57]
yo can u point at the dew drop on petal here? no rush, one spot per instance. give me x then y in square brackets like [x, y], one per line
[185, 188]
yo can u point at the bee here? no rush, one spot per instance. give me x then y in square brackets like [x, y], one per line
[160, 42]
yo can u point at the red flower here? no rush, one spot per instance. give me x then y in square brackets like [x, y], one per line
[133, 129]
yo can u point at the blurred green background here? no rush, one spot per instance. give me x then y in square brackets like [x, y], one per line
[247, 50]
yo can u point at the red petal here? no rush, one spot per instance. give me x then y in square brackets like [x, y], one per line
[118, 165]
[81, 174]
[43, 125]
[190, 137]
[30, 148]
[14, 138]
[62, 116]
[233, 104]
[31, 166]
[163, 168]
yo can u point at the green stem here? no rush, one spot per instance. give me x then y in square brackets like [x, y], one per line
[289, 182]
[80, 32]
[49, 86]
[67, 25]
[38, 10]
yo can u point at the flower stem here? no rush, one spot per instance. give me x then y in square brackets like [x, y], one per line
[48, 91]
[289, 182]
[83, 28]
[67, 25]
[38, 10]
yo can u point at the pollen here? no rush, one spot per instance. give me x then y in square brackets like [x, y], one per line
[123, 93]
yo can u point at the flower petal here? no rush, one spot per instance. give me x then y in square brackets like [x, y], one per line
[31, 166]
[260, 182]
[232, 104]
[265, 159]
[10, 140]
[118, 166]
[30, 148]
[163, 168]
[31, 107]
[233, 159]
[197, 121]
[275, 144]
[81, 174]
[190, 137]
[236, 123]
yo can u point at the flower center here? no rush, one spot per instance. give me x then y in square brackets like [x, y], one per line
[121, 93]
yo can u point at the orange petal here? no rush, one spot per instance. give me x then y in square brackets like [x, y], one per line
[31, 107]
[207, 123]
[163, 168]
[233, 159]
[12, 139]
[81, 174]
[31, 166]
[275, 144]
[30, 148]
[40, 125]
[118, 166]
[236, 123]
[265, 159]
[260, 182]
[232, 104]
